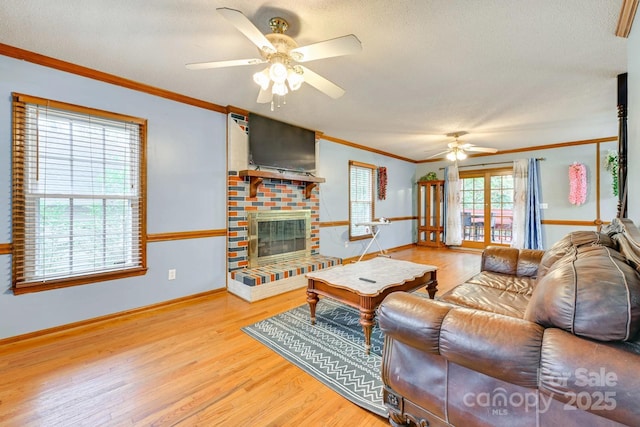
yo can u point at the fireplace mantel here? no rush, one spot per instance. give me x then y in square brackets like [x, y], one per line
[257, 176]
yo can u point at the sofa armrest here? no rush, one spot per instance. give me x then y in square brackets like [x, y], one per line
[499, 346]
[516, 262]
[412, 319]
[595, 376]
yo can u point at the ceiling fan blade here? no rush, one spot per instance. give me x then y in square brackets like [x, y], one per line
[222, 64]
[481, 149]
[247, 28]
[322, 84]
[438, 154]
[345, 45]
[264, 96]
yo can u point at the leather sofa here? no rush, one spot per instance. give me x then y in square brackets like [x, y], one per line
[535, 339]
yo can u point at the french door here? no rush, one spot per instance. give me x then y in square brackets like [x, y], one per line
[487, 207]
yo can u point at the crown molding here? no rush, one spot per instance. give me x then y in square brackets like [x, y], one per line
[47, 61]
[627, 14]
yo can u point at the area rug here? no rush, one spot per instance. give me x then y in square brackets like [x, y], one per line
[332, 350]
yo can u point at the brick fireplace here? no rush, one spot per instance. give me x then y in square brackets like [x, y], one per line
[278, 196]
[272, 195]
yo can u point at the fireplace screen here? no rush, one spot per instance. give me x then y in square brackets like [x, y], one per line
[278, 236]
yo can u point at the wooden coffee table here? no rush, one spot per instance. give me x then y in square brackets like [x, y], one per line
[363, 285]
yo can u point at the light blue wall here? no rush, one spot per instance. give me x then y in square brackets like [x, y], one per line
[333, 165]
[554, 178]
[633, 177]
[186, 189]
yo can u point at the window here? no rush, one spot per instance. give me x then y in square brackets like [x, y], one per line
[78, 195]
[360, 198]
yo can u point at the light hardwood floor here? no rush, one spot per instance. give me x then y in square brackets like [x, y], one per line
[184, 364]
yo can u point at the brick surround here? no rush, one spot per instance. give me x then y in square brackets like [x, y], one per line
[273, 194]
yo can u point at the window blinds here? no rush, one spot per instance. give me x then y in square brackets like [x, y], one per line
[360, 197]
[78, 193]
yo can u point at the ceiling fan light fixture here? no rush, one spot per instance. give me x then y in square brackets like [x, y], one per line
[296, 56]
[279, 89]
[457, 150]
[294, 78]
[262, 78]
[268, 50]
[456, 154]
[278, 72]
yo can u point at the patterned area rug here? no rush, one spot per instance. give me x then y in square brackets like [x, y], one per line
[332, 350]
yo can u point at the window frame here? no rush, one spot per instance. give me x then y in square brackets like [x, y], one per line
[486, 175]
[372, 169]
[19, 197]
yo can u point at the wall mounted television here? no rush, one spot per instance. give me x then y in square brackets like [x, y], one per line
[281, 146]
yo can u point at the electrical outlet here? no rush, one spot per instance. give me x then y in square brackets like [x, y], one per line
[172, 274]
[544, 205]
[346, 243]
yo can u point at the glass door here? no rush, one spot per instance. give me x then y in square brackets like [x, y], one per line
[487, 207]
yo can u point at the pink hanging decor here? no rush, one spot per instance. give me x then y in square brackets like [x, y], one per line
[577, 183]
[382, 183]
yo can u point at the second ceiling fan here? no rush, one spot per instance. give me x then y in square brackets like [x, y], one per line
[282, 53]
[458, 149]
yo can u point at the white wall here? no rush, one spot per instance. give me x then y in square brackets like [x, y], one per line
[186, 189]
[633, 59]
[554, 172]
[333, 165]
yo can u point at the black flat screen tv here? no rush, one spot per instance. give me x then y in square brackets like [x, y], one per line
[281, 146]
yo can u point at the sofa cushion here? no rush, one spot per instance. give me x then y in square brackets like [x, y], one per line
[500, 260]
[517, 284]
[528, 262]
[570, 242]
[591, 292]
[489, 299]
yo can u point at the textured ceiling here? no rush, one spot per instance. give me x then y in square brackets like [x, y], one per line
[513, 73]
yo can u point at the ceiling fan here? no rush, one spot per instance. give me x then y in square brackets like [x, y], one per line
[458, 149]
[282, 53]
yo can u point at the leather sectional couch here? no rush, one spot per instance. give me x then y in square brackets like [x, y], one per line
[535, 339]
